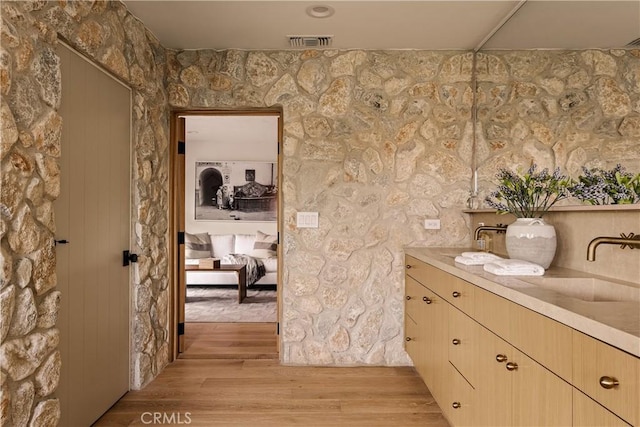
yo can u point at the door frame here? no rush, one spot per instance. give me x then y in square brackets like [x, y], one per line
[177, 274]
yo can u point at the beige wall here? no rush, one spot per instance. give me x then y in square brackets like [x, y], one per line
[375, 141]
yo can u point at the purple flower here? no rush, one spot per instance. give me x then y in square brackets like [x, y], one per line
[528, 195]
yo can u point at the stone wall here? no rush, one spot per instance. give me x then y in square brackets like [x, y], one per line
[560, 108]
[377, 141]
[31, 130]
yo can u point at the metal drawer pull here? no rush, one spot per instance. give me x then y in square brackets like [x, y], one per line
[455, 341]
[455, 294]
[501, 358]
[408, 339]
[456, 405]
[609, 382]
[408, 266]
[427, 300]
[512, 366]
[408, 297]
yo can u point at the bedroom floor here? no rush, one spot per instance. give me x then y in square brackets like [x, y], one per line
[250, 388]
[230, 341]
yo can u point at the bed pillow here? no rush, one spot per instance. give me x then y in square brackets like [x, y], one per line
[197, 245]
[265, 246]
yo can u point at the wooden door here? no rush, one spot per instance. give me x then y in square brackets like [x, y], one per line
[93, 215]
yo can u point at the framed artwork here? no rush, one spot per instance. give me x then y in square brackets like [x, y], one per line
[236, 191]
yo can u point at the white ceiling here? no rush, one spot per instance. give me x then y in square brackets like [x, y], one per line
[430, 25]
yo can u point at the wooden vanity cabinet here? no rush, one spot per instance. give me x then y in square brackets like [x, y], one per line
[511, 366]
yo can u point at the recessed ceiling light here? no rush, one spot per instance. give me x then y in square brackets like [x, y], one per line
[320, 11]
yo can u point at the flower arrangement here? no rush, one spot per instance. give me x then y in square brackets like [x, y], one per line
[528, 195]
[605, 187]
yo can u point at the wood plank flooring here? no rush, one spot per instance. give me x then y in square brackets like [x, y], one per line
[251, 389]
[230, 341]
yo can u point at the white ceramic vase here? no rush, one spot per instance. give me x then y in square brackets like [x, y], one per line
[531, 239]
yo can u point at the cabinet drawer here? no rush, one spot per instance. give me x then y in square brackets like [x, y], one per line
[492, 312]
[459, 405]
[589, 413]
[463, 344]
[460, 294]
[426, 274]
[544, 340]
[540, 398]
[594, 363]
[411, 340]
[414, 293]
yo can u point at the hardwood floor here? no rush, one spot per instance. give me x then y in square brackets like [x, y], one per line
[251, 388]
[230, 341]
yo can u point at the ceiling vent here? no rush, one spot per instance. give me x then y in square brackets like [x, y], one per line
[310, 41]
[634, 43]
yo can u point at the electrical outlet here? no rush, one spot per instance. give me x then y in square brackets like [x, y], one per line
[432, 224]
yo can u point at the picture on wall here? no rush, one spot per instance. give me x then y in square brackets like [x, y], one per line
[236, 191]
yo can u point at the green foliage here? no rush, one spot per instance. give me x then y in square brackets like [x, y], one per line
[528, 195]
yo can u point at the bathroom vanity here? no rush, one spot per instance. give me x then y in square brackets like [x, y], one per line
[502, 351]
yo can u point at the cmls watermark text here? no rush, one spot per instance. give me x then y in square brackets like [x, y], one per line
[166, 418]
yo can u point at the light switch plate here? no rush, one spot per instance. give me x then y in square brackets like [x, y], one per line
[307, 220]
[432, 224]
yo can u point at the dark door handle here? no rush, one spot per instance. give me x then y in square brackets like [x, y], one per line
[60, 242]
[128, 257]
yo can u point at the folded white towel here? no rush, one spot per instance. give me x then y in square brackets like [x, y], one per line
[480, 255]
[514, 267]
[476, 260]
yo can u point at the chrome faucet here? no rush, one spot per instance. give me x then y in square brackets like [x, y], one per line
[632, 241]
[499, 228]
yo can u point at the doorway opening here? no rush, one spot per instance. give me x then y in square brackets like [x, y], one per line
[225, 228]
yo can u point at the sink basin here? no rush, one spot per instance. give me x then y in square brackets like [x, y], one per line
[588, 288]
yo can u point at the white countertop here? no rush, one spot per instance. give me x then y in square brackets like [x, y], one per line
[615, 323]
